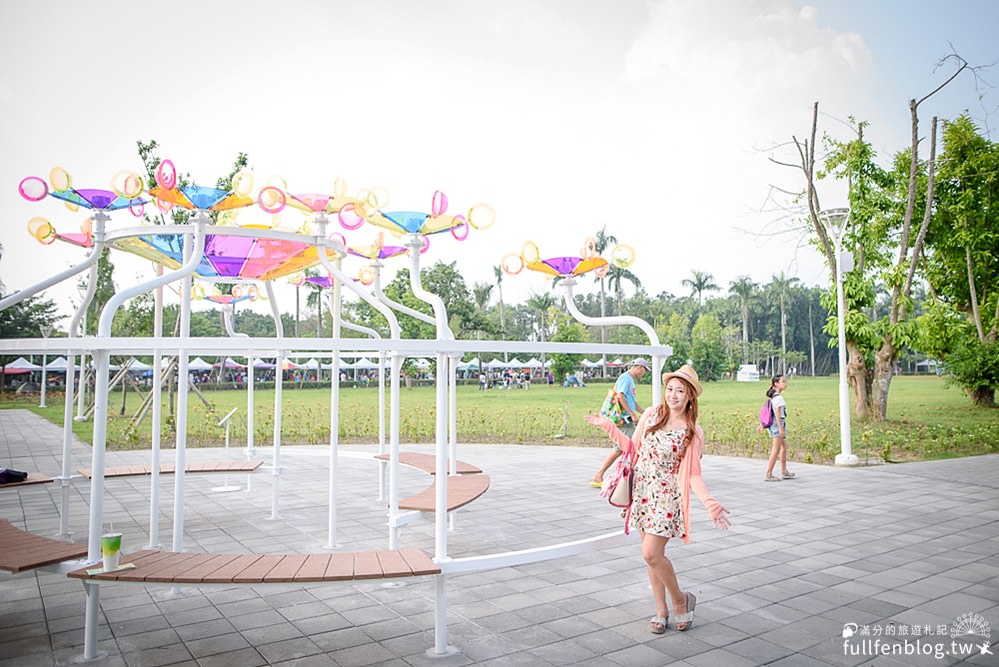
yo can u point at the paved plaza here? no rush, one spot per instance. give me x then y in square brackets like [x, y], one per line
[884, 565]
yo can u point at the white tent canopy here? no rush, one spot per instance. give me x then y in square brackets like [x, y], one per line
[199, 364]
[533, 363]
[59, 365]
[22, 364]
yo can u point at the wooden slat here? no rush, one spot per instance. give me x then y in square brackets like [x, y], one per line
[314, 568]
[428, 463]
[341, 567]
[196, 575]
[258, 571]
[225, 574]
[392, 564]
[419, 563]
[287, 568]
[366, 565]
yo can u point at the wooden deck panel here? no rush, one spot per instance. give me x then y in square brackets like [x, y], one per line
[461, 490]
[205, 568]
[428, 463]
[169, 469]
[21, 550]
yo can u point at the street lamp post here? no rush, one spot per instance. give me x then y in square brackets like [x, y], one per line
[46, 332]
[836, 221]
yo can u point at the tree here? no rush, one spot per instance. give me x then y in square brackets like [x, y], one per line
[886, 248]
[567, 330]
[699, 283]
[706, 351]
[26, 318]
[541, 305]
[315, 299]
[615, 280]
[743, 288]
[780, 289]
[961, 325]
[498, 272]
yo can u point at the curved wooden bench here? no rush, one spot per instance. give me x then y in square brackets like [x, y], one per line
[168, 469]
[461, 490]
[428, 463]
[32, 478]
[168, 567]
[21, 550]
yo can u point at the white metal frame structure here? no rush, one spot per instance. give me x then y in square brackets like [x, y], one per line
[445, 347]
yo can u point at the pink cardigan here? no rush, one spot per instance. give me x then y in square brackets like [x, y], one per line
[690, 466]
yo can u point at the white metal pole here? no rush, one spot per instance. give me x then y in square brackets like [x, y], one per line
[335, 313]
[157, 420]
[846, 457]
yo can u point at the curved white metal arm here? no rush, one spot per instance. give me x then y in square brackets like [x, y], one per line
[406, 310]
[107, 315]
[570, 305]
[278, 325]
[657, 361]
[227, 312]
[415, 242]
[349, 284]
[95, 254]
[367, 331]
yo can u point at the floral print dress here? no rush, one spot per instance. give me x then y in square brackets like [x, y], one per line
[656, 506]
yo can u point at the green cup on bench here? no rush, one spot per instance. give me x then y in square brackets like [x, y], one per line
[111, 550]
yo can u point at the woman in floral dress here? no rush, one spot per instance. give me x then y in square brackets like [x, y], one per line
[666, 452]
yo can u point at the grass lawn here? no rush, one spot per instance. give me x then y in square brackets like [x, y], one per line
[928, 418]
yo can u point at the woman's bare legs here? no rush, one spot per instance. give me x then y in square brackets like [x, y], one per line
[662, 577]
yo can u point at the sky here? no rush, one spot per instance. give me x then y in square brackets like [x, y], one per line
[658, 121]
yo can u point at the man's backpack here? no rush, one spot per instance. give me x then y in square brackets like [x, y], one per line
[767, 414]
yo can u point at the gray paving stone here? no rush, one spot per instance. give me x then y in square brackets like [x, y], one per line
[778, 588]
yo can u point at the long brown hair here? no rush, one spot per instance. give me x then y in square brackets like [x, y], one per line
[690, 413]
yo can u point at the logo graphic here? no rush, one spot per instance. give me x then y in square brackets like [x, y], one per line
[849, 630]
[970, 624]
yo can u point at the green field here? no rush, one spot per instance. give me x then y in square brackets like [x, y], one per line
[928, 419]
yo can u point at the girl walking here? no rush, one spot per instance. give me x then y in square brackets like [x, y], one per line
[778, 430]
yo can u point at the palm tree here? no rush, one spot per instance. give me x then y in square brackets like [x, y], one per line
[315, 299]
[603, 241]
[743, 288]
[699, 284]
[498, 271]
[780, 289]
[481, 292]
[616, 277]
[541, 304]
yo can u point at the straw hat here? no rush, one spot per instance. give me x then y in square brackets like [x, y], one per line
[685, 372]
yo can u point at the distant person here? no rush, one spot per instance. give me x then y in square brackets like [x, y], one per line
[666, 452]
[625, 386]
[482, 382]
[777, 430]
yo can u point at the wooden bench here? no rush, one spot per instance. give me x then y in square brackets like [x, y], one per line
[167, 567]
[461, 490]
[168, 469]
[21, 550]
[32, 478]
[428, 463]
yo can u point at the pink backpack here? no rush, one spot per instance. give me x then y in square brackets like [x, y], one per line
[767, 414]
